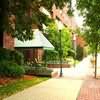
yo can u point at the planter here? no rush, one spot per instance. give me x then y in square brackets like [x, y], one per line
[58, 65]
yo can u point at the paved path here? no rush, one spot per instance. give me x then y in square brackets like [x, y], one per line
[53, 89]
[90, 90]
[81, 70]
[65, 88]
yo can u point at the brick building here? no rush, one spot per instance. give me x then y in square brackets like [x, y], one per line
[31, 48]
[61, 14]
[8, 41]
[37, 52]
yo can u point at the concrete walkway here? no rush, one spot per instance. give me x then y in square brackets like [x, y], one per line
[81, 70]
[53, 89]
[62, 88]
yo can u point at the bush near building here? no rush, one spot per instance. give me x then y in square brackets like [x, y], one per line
[11, 63]
[11, 55]
[11, 69]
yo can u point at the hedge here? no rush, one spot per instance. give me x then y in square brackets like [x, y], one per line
[11, 69]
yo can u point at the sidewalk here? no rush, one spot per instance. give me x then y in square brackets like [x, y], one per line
[70, 87]
[90, 90]
[53, 89]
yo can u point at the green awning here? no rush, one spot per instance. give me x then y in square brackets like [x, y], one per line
[39, 40]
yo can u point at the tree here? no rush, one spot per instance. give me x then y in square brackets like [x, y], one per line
[90, 11]
[17, 16]
[54, 37]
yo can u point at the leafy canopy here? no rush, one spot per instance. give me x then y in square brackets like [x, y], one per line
[90, 9]
[54, 37]
[17, 16]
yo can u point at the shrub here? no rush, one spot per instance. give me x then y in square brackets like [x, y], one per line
[29, 69]
[42, 71]
[10, 69]
[39, 71]
[17, 57]
[11, 55]
[79, 53]
[4, 54]
[50, 55]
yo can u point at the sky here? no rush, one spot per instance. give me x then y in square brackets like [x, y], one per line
[78, 19]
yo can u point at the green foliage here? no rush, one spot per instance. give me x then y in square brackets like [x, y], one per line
[32, 68]
[11, 55]
[42, 71]
[39, 71]
[50, 55]
[79, 53]
[54, 37]
[10, 69]
[17, 16]
[4, 54]
[92, 38]
[10, 62]
[90, 11]
[70, 12]
[35, 68]
[17, 57]
[66, 42]
[29, 70]
[19, 85]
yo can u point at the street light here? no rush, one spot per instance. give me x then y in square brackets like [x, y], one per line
[60, 26]
[74, 36]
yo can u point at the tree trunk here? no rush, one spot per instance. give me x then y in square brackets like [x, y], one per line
[1, 38]
[3, 15]
[96, 61]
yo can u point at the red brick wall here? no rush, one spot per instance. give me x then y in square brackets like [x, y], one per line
[28, 54]
[8, 41]
[80, 41]
[38, 53]
[58, 66]
[34, 54]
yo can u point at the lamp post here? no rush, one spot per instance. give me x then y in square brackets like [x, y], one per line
[60, 26]
[60, 54]
[74, 36]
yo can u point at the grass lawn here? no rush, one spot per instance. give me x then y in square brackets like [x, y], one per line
[19, 85]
